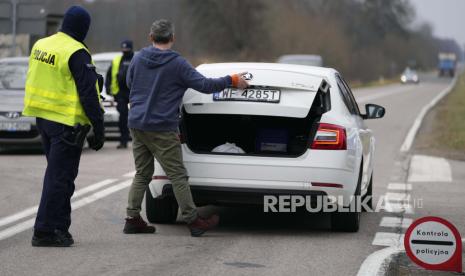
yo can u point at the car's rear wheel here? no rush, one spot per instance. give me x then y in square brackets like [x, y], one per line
[163, 209]
[348, 221]
[369, 194]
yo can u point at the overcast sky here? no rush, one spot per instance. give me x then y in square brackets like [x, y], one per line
[446, 16]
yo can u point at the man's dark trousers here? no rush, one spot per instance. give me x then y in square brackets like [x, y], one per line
[122, 107]
[62, 169]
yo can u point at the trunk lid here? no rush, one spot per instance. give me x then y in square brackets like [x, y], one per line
[298, 91]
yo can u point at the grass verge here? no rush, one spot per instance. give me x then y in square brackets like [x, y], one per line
[443, 130]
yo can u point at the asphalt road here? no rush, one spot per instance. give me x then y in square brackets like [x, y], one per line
[248, 242]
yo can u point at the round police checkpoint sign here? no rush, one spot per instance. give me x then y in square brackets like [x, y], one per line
[434, 243]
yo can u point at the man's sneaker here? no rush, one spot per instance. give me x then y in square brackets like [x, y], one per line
[201, 225]
[137, 225]
[122, 146]
[56, 239]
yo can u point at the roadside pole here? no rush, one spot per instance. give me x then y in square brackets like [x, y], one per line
[14, 5]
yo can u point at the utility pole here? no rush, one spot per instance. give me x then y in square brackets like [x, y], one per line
[14, 6]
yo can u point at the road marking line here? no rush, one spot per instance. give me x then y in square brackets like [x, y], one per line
[129, 174]
[395, 222]
[374, 263]
[25, 225]
[93, 187]
[20, 215]
[17, 228]
[388, 239]
[399, 186]
[429, 169]
[398, 207]
[100, 194]
[397, 197]
[407, 144]
[33, 210]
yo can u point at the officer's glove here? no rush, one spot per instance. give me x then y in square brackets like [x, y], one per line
[100, 82]
[96, 139]
[100, 86]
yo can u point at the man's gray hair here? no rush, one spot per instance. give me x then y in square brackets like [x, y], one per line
[162, 31]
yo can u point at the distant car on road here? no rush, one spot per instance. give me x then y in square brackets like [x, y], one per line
[409, 76]
[297, 130]
[15, 130]
[309, 60]
[102, 63]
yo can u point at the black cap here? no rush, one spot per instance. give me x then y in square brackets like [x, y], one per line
[126, 44]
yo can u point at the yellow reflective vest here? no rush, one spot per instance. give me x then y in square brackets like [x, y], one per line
[114, 74]
[51, 91]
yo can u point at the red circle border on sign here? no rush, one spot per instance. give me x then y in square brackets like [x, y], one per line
[450, 264]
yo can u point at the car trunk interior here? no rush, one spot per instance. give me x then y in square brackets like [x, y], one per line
[256, 135]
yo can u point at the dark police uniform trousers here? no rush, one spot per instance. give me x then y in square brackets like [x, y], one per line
[62, 169]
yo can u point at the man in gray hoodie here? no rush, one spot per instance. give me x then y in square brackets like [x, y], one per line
[158, 78]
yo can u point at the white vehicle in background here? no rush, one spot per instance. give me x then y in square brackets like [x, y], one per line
[301, 132]
[309, 60]
[409, 76]
[102, 63]
[15, 130]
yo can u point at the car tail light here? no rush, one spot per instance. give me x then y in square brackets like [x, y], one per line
[330, 137]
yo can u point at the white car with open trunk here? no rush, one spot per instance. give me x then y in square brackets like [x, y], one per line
[298, 130]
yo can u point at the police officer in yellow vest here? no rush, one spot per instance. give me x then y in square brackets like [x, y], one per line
[116, 84]
[62, 92]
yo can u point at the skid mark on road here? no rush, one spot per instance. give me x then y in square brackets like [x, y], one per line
[28, 224]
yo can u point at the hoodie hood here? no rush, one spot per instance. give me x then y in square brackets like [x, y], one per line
[154, 57]
[76, 23]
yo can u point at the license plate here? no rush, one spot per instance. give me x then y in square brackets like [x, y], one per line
[15, 126]
[249, 94]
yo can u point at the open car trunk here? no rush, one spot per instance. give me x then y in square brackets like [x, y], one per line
[255, 135]
[277, 115]
[259, 135]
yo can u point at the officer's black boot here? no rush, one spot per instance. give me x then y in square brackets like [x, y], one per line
[57, 239]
